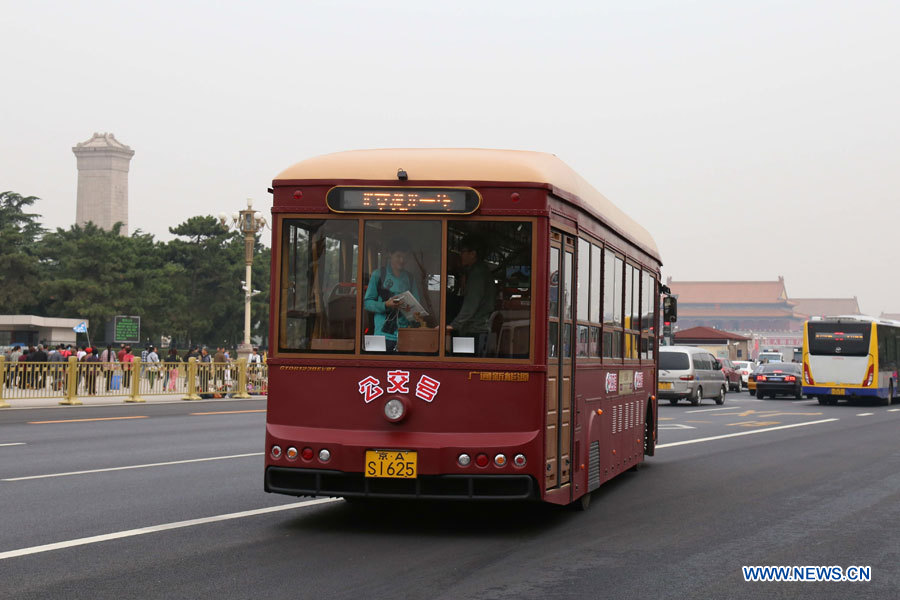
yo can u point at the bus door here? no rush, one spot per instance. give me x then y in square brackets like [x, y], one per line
[560, 362]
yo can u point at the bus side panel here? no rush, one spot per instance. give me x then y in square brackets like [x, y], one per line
[612, 435]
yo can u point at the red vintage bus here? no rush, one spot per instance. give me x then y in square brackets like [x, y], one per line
[452, 323]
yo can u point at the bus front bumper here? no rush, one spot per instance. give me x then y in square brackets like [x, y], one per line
[322, 482]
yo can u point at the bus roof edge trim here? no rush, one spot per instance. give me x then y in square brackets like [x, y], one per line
[464, 164]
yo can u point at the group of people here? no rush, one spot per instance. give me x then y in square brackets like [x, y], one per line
[36, 367]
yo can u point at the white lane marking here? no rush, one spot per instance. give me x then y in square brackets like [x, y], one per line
[711, 409]
[728, 435]
[893, 410]
[675, 426]
[13, 444]
[155, 528]
[159, 464]
[865, 414]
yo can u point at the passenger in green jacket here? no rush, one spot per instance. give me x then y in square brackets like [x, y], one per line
[385, 285]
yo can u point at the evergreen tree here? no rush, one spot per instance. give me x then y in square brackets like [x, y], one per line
[19, 265]
[90, 273]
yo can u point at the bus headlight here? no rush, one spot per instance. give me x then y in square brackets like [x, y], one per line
[394, 410]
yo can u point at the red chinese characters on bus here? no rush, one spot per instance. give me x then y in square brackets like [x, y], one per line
[370, 388]
[398, 383]
[638, 380]
[612, 382]
[427, 388]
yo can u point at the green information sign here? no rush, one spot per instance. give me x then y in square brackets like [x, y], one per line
[127, 329]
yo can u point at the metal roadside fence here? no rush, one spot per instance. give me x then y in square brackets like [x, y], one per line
[73, 380]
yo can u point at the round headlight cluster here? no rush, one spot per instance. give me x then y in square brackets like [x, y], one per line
[394, 410]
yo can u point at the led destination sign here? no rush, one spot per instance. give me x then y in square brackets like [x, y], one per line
[403, 200]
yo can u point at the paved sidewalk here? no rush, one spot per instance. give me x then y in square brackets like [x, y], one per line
[111, 400]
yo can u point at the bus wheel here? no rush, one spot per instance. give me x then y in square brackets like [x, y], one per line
[697, 397]
[673, 401]
[582, 503]
[649, 429]
[823, 400]
[720, 399]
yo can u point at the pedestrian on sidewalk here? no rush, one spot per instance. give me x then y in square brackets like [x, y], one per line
[92, 370]
[172, 364]
[152, 365]
[127, 360]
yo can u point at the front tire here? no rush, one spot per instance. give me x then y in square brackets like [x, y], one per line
[697, 398]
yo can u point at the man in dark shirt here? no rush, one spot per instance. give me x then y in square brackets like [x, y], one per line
[40, 370]
[479, 296]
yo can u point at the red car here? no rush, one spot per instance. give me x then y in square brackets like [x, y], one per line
[732, 374]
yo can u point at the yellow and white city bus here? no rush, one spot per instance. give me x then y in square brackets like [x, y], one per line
[850, 357]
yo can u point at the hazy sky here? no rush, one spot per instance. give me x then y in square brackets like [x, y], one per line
[752, 139]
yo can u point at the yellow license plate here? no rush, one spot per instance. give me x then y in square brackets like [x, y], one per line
[396, 464]
[665, 385]
[838, 391]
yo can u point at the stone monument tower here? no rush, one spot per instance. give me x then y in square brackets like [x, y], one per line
[102, 181]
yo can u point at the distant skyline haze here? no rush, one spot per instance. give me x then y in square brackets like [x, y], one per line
[751, 140]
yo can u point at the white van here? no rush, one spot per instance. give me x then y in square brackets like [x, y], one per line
[691, 373]
[770, 356]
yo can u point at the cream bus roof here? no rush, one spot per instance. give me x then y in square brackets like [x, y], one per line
[460, 164]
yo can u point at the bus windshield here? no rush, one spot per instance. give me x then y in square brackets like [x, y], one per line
[408, 279]
[839, 339]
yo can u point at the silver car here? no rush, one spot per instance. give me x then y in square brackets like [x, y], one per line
[690, 373]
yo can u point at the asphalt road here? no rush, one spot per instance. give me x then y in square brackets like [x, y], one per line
[773, 482]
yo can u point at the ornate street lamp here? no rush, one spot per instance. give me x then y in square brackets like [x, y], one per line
[248, 222]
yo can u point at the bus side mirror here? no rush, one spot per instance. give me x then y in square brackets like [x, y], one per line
[670, 309]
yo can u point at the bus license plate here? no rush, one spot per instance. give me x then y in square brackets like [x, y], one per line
[397, 464]
[665, 385]
[838, 391]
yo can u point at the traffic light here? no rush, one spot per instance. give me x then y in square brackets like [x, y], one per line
[670, 309]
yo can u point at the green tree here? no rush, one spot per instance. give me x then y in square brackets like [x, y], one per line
[209, 267]
[259, 305]
[210, 262]
[19, 265]
[90, 273]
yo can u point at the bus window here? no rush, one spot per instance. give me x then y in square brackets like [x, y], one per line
[318, 285]
[613, 295]
[489, 311]
[843, 339]
[402, 299]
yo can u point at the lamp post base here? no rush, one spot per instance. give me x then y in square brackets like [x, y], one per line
[244, 350]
